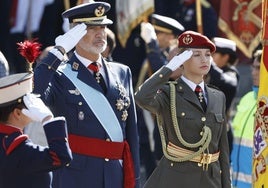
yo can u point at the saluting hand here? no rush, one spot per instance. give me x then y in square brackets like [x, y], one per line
[36, 109]
[72, 37]
[178, 60]
[147, 32]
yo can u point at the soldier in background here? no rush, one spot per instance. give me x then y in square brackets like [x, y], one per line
[224, 75]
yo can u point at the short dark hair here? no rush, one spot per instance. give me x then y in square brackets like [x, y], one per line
[5, 111]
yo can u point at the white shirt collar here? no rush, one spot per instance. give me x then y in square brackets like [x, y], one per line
[86, 62]
[193, 85]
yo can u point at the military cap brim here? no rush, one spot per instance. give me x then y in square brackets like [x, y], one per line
[93, 13]
[13, 87]
[166, 24]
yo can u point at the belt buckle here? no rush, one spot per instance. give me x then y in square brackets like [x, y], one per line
[205, 160]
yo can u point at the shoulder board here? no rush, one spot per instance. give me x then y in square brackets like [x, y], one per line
[12, 141]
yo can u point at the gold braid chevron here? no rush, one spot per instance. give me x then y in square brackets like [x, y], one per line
[203, 142]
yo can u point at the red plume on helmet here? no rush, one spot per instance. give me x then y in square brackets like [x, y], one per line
[30, 50]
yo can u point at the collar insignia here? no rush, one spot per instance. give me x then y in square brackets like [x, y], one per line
[75, 66]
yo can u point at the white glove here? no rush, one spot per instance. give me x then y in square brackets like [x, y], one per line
[65, 25]
[147, 32]
[36, 109]
[178, 60]
[72, 37]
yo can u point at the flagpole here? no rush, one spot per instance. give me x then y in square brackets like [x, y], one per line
[66, 4]
[199, 16]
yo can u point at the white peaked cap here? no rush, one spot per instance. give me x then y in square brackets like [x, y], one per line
[224, 43]
[15, 86]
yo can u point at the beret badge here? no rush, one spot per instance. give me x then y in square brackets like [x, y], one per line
[188, 39]
[99, 11]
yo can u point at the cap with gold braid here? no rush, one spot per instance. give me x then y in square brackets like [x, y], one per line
[93, 13]
[14, 87]
[166, 24]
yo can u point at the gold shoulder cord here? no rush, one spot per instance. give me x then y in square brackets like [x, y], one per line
[203, 142]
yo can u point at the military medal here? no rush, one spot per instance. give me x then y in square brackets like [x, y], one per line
[120, 104]
[200, 96]
[124, 115]
[98, 77]
[123, 103]
[81, 115]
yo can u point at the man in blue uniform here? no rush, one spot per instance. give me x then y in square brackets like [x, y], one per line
[23, 163]
[96, 97]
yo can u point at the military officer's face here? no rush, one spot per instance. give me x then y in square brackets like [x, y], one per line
[220, 59]
[164, 39]
[95, 41]
[18, 119]
[198, 65]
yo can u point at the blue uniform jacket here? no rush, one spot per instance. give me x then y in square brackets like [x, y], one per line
[65, 100]
[26, 165]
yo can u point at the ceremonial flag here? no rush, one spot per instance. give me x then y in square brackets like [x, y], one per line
[130, 13]
[260, 157]
[240, 21]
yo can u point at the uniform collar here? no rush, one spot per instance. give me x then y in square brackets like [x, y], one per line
[8, 129]
[193, 85]
[86, 62]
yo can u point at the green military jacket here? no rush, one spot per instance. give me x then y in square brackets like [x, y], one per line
[154, 95]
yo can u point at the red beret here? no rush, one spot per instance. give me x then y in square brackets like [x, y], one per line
[192, 39]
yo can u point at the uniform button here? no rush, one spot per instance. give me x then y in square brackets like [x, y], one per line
[183, 114]
[108, 140]
[201, 133]
[68, 164]
[180, 88]
[203, 119]
[161, 75]
[80, 103]
[66, 139]
[171, 164]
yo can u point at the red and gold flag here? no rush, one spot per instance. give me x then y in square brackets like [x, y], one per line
[240, 21]
[260, 157]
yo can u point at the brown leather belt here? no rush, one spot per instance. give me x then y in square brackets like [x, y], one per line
[203, 159]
